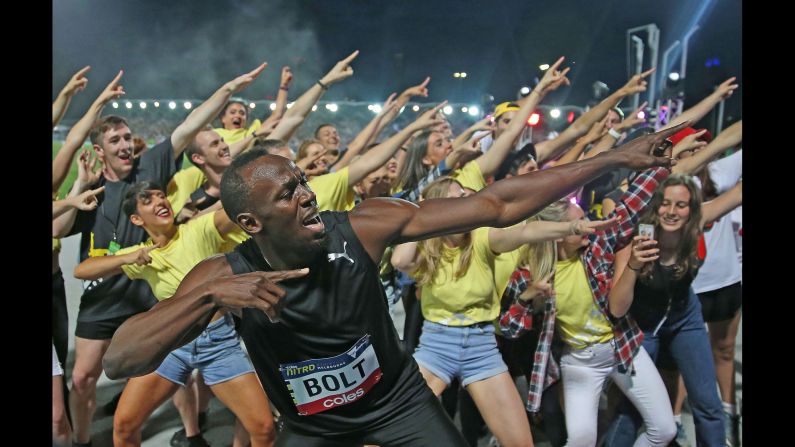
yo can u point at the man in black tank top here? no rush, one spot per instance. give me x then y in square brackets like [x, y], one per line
[309, 304]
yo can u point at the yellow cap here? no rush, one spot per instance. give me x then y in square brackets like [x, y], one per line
[505, 107]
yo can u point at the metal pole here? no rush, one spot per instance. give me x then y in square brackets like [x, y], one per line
[654, 45]
[665, 68]
[685, 43]
[719, 124]
[638, 66]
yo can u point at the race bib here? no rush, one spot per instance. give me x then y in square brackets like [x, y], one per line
[318, 385]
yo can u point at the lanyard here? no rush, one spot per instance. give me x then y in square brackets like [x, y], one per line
[113, 246]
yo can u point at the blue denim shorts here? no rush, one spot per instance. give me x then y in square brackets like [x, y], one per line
[467, 352]
[216, 353]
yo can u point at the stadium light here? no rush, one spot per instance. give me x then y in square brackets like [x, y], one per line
[474, 111]
[273, 106]
[128, 104]
[415, 108]
[554, 113]
[187, 105]
[534, 119]
[543, 67]
[172, 105]
[157, 104]
[142, 105]
[448, 110]
[115, 105]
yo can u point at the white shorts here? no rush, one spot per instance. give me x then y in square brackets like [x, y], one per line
[56, 366]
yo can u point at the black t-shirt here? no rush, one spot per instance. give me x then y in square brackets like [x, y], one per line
[118, 296]
[336, 330]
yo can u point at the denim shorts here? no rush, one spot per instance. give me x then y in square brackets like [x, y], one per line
[467, 352]
[216, 353]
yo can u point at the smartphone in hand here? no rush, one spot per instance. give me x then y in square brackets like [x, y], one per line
[646, 230]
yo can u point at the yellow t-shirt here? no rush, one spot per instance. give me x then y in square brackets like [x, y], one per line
[56, 245]
[233, 238]
[504, 265]
[467, 300]
[235, 135]
[182, 186]
[580, 321]
[470, 176]
[194, 241]
[333, 192]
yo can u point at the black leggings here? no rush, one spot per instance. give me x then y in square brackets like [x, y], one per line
[421, 425]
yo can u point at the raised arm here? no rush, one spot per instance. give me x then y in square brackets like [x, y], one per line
[76, 83]
[547, 150]
[377, 156]
[700, 110]
[79, 132]
[381, 222]
[365, 136]
[281, 97]
[597, 132]
[732, 136]
[502, 240]
[622, 294]
[609, 140]
[143, 341]
[86, 201]
[491, 160]
[209, 109]
[717, 207]
[303, 105]
[416, 90]
[483, 125]
[89, 169]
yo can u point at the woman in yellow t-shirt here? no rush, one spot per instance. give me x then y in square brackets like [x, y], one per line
[162, 261]
[460, 303]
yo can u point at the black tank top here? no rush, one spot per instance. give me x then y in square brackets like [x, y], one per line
[335, 343]
[659, 294]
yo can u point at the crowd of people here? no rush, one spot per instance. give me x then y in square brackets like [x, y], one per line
[538, 276]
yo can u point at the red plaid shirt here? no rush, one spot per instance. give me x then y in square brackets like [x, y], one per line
[598, 259]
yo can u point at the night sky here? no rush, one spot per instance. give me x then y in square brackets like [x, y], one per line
[187, 49]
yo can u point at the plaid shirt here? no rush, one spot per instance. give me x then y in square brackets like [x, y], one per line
[413, 195]
[598, 259]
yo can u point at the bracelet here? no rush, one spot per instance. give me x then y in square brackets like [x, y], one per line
[281, 87]
[635, 270]
[322, 85]
[613, 133]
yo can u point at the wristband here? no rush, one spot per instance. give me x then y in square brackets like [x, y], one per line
[613, 133]
[634, 270]
[282, 87]
[322, 85]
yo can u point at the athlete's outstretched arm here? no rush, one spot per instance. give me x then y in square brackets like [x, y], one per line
[382, 222]
[144, 341]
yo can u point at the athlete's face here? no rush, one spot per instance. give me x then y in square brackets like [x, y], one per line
[282, 204]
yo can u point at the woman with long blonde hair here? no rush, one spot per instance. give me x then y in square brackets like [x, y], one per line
[460, 302]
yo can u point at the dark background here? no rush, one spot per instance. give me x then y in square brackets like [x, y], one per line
[187, 49]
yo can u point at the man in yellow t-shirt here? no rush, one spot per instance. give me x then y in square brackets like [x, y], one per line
[162, 261]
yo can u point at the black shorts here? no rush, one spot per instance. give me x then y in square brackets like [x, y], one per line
[721, 304]
[420, 425]
[99, 330]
